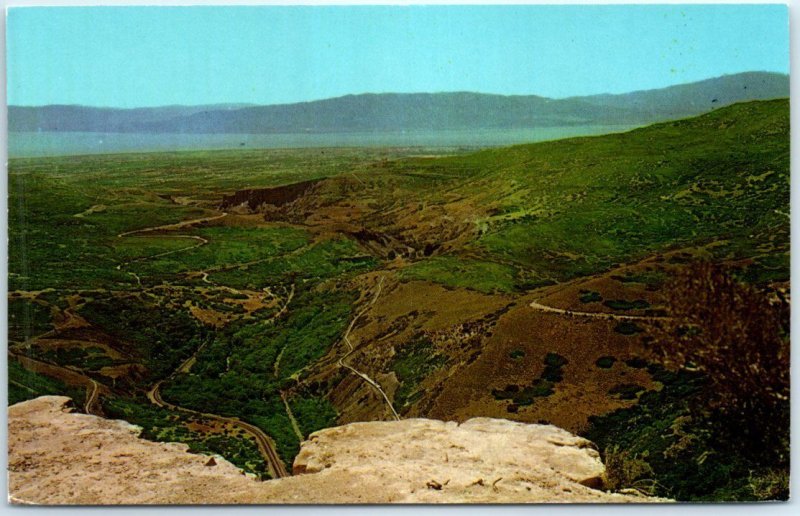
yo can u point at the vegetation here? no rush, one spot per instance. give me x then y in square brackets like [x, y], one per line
[27, 319]
[590, 297]
[658, 197]
[649, 278]
[90, 359]
[313, 414]
[162, 338]
[718, 429]
[517, 353]
[239, 313]
[605, 362]
[327, 259]
[25, 385]
[628, 328]
[738, 336]
[166, 426]
[239, 373]
[482, 276]
[623, 304]
[624, 471]
[543, 386]
[412, 364]
[626, 391]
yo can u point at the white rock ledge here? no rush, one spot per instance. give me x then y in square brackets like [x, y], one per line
[59, 457]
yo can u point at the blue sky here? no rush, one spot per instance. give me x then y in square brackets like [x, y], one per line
[149, 56]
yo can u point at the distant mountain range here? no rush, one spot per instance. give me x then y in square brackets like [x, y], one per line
[409, 111]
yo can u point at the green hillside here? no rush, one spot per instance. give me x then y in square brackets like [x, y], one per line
[561, 209]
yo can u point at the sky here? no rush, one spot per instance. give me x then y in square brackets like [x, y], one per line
[152, 56]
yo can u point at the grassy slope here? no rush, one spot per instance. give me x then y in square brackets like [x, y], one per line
[573, 207]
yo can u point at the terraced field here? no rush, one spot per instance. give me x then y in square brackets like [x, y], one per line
[528, 283]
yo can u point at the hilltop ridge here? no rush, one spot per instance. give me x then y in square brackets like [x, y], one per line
[410, 111]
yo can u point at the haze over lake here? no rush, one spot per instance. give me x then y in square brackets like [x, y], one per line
[42, 144]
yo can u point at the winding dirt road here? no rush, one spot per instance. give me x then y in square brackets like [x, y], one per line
[355, 371]
[171, 227]
[202, 241]
[265, 444]
[167, 227]
[91, 399]
[295, 425]
[70, 375]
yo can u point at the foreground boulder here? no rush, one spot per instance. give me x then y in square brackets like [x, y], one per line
[60, 457]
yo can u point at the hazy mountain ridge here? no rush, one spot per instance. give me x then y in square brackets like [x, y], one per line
[696, 97]
[412, 111]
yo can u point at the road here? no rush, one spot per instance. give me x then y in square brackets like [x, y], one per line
[295, 426]
[202, 241]
[265, 444]
[69, 375]
[595, 315]
[171, 227]
[91, 399]
[71, 320]
[355, 371]
[167, 227]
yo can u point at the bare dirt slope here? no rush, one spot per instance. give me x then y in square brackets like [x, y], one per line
[59, 457]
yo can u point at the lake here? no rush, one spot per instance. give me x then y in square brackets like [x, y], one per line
[37, 144]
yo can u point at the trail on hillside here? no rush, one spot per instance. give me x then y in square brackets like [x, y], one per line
[295, 426]
[69, 375]
[355, 371]
[166, 227]
[92, 398]
[222, 268]
[595, 315]
[171, 227]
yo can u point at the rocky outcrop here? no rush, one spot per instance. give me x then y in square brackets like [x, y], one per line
[59, 457]
[253, 199]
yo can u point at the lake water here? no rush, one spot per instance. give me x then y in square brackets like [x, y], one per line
[62, 144]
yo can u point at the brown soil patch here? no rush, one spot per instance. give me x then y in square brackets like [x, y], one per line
[402, 311]
[584, 388]
[209, 316]
[68, 376]
[65, 343]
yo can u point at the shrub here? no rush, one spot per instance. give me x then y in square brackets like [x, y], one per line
[605, 362]
[626, 391]
[627, 328]
[636, 363]
[627, 471]
[590, 297]
[770, 485]
[624, 304]
[739, 337]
